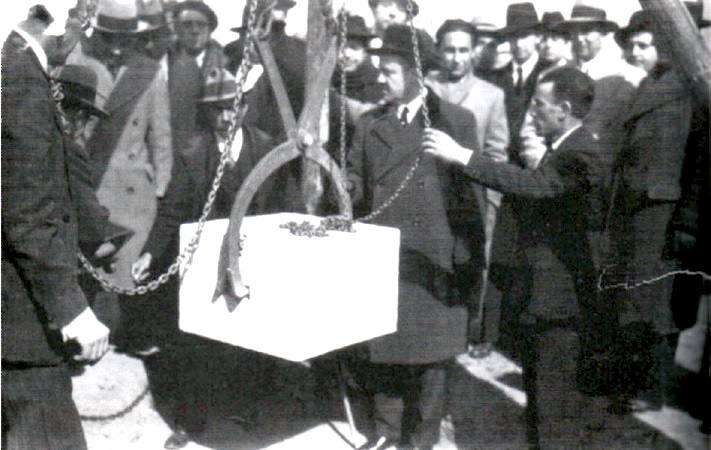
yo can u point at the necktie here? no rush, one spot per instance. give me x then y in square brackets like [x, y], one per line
[519, 80]
[403, 116]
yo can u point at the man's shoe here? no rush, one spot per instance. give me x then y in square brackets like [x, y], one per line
[178, 439]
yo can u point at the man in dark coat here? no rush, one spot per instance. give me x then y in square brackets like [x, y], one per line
[441, 234]
[42, 305]
[190, 185]
[558, 274]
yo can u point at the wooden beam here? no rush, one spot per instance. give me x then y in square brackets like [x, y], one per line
[691, 54]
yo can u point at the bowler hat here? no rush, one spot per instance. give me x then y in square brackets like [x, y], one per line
[549, 22]
[520, 18]
[397, 40]
[119, 16]
[356, 29]
[587, 16]
[401, 3]
[199, 6]
[640, 21]
[262, 5]
[220, 85]
[79, 86]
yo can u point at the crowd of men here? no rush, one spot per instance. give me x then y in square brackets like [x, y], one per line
[515, 180]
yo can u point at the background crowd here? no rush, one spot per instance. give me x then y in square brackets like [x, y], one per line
[544, 165]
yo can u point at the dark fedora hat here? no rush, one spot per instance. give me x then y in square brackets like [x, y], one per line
[79, 87]
[640, 21]
[520, 18]
[401, 3]
[549, 22]
[584, 16]
[397, 40]
[199, 6]
[262, 5]
[356, 29]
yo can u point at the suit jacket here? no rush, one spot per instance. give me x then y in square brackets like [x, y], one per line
[40, 293]
[562, 206]
[516, 105]
[441, 231]
[657, 128]
[193, 173]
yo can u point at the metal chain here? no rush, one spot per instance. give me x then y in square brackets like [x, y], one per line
[425, 116]
[185, 255]
[118, 414]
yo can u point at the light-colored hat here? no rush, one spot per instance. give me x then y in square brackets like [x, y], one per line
[220, 85]
[119, 16]
[151, 11]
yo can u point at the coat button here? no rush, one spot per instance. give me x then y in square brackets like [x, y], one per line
[135, 122]
[130, 190]
[131, 156]
[416, 222]
[66, 218]
[421, 183]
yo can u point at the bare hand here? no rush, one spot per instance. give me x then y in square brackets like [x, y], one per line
[442, 146]
[141, 268]
[106, 249]
[91, 335]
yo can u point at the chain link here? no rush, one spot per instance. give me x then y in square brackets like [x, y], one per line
[343, 16]
[187, 252]
[425, 116]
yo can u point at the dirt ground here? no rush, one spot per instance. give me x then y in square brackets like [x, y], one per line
[249, 401]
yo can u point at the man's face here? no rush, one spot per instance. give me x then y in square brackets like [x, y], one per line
[388, 12]
[397, 78]
[222, 115]
[354, 54]
[554, 47]
[457, 53]
[77, 119]
[113, 47]
[523, 46]
[641, 51]
[193, 30]
[547, 114]
[587, 43]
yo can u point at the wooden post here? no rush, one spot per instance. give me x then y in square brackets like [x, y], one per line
[691, 54]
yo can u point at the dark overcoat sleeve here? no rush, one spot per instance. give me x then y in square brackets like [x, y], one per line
[34, 217]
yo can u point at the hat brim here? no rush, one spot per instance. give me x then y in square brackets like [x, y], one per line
[518, 29]
[200, 7]
[391, 51]
[142, 27]
[577, 23]
[93, 108]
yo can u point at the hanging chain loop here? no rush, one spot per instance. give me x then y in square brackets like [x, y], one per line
[187, 252]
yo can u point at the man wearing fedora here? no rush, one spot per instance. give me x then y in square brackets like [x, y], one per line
[46, 319]
[441, 234]
[648, 189]
[131, 150]
[193, 174]
[554, 47]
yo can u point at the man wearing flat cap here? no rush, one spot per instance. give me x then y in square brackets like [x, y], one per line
[441, 246]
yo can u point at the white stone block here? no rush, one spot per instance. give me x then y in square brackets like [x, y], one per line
[308, 295]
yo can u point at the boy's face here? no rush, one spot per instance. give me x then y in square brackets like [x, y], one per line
[388, 12]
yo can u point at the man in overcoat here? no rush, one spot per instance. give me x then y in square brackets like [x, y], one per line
[441, 238]
[42, 305]
[131, 151]
[558, 272]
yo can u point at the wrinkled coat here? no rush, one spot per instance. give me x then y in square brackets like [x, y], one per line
[40, 293]
[131, 151]
[441, 234]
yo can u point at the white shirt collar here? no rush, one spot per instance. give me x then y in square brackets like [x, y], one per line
[412, 108]
[526, 68]
[199, 59]
[34, 45]
[564, 136]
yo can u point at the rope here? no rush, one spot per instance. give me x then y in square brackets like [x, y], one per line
[627, 286]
